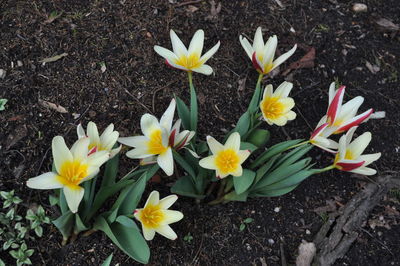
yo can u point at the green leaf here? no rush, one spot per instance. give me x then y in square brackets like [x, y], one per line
[248, 146]
[126, 221]
[202, 147]
[184, 186]
[248, 220]
[110, 172]
[193, 109]
[79, 225]
[282, 172]
[243, 124]
[63, 202]
[233, 196]
[293, 156]
[274, 150]
[3, 104]
[53, 200]
[243, 182]
[39, 231]
[107, 262]
[182, 162]
[290, 181]
[255, 100]
[128, 239]
[242, 227]
[259, 137]
[64, 224]
[272, 193]
[265, 168]
[183, 112]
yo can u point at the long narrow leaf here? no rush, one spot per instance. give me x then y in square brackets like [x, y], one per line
[182, 162]
[110, 172]
[193, 109]
[183, 112]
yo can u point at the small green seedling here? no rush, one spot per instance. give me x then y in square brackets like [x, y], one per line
[3, 104]
[188, 238]
[243, 224]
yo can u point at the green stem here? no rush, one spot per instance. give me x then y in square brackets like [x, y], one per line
[190, 77]
[297, 145]
[318, 171]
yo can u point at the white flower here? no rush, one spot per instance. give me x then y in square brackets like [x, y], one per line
[349, 156]
[72, 168]
[226, 159]
[188, 59]
[276, 106]
[262, 55]
[155, 216]
[158, 140]
[105, 142]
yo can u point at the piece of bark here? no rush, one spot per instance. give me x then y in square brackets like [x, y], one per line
[342, 228]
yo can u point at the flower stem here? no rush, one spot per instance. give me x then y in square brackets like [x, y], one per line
[318, 171]
[299, 144]
[190, 77]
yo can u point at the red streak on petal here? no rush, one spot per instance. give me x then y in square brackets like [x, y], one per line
[93, 150]
[135, 211]
[255, 63]
[354, 123]
[334, 106]
[350, 166]
[180, 146]
[172, 138]
[318, 130]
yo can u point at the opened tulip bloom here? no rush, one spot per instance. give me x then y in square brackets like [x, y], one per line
[72, 167]
[159, 139]
[320, 140]
[155, 216]
[262, 55]
[104, 142]
[276, 106]
[188, 59]
[350, 157]
[225, 159]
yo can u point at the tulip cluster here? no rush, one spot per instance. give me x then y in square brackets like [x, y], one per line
[241, 168]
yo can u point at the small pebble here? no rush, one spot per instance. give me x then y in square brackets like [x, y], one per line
[277, 209]
[2, 73]
[271, 241]
[19, 63]
[358, 8]
[301, 210]
[380, 233]
[308, 232]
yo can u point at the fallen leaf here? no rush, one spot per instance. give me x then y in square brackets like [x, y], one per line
[214, 11]
[192, 8]
[17, 134]
[307, 61]
[53, 106]
[53, 16]
[53, 59]
[329, 207]
[242, 84]
[386, 25]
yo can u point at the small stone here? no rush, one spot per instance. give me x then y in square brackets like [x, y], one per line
[358, 8]
[308, 232]
[19, 63]
[380, 233]
[277, 209]
[301, 210]
[271, 241]
[2, 73]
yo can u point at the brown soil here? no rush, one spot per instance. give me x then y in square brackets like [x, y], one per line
[121, 34]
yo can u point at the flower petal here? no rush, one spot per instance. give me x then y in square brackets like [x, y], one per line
[167, 202]
[283, 90]
[148, 233]
[168, 116]
[355, 121]
[167, 54]
[284, 57]
[349, 109]
[214, 145]
[73, 196]
[196, 44]
[166, 231]
[166, 161]
[258, 42]
[153, 199]
[177, 45]
[208, 162]
[92, 132]
[80, 131]
[80, 148]
[44, 181]
[210, 53]
[335, 106]
[358, 146]
[139, 153]
[243, 155]
[370, 158]
[238, 171]
[364, 171]
[60, 151]
[98, 158]
[148, 123]
[171, 216]
[268, 91]
[269, 50]
[349, 165]
[246, 46]
[203, 69]
[233, 142]
[135, 141]
[332, 92]
[318, 130]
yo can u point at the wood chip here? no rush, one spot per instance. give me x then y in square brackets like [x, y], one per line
[386, 25]
[372, 68]
[53, 58]
[53, 106]
[307, 61]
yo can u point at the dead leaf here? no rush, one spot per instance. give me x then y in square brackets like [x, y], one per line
[53, 58]
[192, 8]
[307, 61]
[329, 207]
[53, 16]
[17, 134]
[53, 106]
[215, 9]
[386, 25]
[242, 84]
[372, 68]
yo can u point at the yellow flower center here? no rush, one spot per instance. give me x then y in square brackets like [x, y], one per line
[72, 172]
[155, 145]
[348, 156]
[338, 122]
[190, 62]
[227, 161]
[272, 108]
[151, 216]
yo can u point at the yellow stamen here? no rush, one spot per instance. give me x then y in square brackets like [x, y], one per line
[349, 155]
[155, 145]
[272, 108]
[268, 67]
[227, 161]
[151, 216]
[189, 62]
[72, 172]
